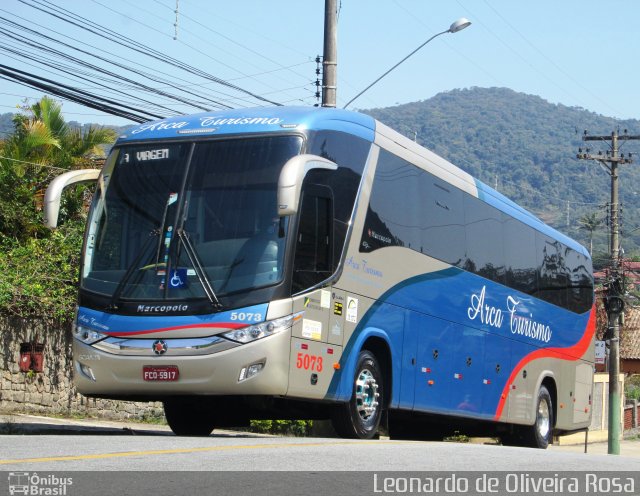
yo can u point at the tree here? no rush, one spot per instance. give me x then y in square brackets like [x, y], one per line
[590, 222]
[41, 146]
[39, 266]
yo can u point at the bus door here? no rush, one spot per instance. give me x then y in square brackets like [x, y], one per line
[313, 262]
[315, 345]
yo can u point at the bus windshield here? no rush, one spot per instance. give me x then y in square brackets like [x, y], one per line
[178, 221]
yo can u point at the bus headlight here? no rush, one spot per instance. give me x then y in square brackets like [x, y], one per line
[86, 335]
[254, 332]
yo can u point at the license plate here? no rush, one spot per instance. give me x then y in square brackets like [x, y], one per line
[160, 373]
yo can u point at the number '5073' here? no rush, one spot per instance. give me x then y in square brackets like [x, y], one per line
[246, 316]
[309, 362]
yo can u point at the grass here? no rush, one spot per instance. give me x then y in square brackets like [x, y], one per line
[146, 418]
[457, 438]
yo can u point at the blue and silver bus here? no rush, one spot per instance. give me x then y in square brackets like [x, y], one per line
[313, 263]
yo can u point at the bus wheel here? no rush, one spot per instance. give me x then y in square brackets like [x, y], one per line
[189, 416]
[360, 416]
[540, 434]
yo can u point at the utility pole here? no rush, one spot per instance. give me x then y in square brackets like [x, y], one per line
[330, 56]
[614, 303]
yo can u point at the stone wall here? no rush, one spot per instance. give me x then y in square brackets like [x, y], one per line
[51, 391]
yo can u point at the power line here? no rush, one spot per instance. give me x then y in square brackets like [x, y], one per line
[75, 95]
[155, 70]
[43, 47]
[97, 69]
[84, 23]
[235, 42]
[558, 68]
[60, 169]
[74, 73]
[101, 70]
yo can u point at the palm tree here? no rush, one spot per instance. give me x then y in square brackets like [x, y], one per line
[42, 145]
[590, 222]
[71, 145]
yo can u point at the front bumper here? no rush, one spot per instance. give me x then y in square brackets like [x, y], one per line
[98, 373]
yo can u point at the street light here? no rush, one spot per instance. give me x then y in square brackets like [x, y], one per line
[459, 25]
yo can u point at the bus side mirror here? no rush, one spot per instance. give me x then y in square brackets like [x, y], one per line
[54, 192]
[291, 178]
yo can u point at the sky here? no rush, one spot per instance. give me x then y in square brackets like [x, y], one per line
[573, 52]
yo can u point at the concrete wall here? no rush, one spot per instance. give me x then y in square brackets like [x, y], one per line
[52, 391]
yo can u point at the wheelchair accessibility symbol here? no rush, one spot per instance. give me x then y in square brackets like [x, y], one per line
[178, 279]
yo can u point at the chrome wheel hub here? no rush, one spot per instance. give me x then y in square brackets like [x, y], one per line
[366, 394]
[543, 420]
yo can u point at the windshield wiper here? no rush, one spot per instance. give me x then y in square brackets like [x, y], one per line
[135, 265]
[183, 236]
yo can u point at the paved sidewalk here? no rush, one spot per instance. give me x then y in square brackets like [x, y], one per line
[17, 423]
[628, 447]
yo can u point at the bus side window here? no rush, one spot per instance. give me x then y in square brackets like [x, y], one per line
[313, 261]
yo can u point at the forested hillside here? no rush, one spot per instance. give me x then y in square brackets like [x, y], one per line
[527, 147]
[6, 124]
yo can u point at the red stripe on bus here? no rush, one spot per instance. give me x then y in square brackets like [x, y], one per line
[218, 325]
[572, 353]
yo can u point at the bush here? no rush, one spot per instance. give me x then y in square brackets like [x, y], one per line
[632, 388]
[282, 427]
[40, 275]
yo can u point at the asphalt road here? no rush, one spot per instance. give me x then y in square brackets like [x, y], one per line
[109, 458]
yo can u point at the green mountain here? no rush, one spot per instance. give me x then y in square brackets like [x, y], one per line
[6, 124]
[526, 148]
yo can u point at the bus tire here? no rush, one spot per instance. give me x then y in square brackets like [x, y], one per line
[540, 434]
[189, 417]
[359, 418]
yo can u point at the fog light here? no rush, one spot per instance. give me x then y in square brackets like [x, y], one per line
[250, 371]
[254, 369]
